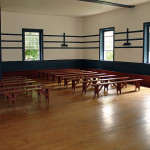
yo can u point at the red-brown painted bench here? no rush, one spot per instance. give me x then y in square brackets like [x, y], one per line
[10, 77]
[13, 92]
[64, 77]
[16, 83]
[77, 73]
[88, 78]
[20, 87]
[45, 74]
[75, 79]
[117, 84]
[13, 80]
[86, 84]
[59, 75]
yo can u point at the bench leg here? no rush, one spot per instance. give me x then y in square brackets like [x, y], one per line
[46, 93]
[118, 88]
[12, 96]
[39, 74]
[65, 83]
[39, 93]
[84, 88]
[59, 80]
[53, 78]
[106, 87]
[137, 85]
[73, 85]
[47, 76]
[96, 92]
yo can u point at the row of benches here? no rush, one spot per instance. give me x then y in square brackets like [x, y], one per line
[97, 80]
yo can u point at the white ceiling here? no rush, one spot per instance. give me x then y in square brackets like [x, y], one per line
[73, 8]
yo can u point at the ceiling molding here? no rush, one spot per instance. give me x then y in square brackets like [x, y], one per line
[108, 3]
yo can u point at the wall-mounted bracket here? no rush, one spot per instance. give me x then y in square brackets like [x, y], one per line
[127, 43]
[64, 42]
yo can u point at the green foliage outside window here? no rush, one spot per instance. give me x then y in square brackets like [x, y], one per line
[32, 55]
[109, 55]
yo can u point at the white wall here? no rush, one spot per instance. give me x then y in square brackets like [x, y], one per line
[132, 18]
[120, 19]
[14, 22]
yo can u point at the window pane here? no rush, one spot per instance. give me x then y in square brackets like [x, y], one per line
[108, 33]
[32, 33]
[32, 46]
[108, 55]
[108, 45]
[32, 55]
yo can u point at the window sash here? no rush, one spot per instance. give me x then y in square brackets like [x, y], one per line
[108, 44]
[32, 43]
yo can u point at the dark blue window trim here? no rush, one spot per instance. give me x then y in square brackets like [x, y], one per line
[23, 41]
[101, 43]
[146, 42]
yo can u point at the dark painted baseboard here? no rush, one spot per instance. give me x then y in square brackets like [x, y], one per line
[125, 67]
[38, 65]
[0, 69]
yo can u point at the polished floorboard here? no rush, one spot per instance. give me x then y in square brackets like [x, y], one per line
[75, 121]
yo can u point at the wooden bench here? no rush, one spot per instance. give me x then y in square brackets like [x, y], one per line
[13, 80]
[105, 76]
[46, 74]
[63, 77]
[86, 84]
[70, 72]
[75, 79]
[67, 79]
[10, 77]
[117, 84]
[20, 87]
[59, 76]
[75, 74]
[16, 83]
[13, 92]
[88, 79]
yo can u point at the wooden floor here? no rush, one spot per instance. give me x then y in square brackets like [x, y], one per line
[74, 121]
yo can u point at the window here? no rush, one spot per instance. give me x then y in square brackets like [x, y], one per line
[146, 52]
[107, 44]
[32, 44]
